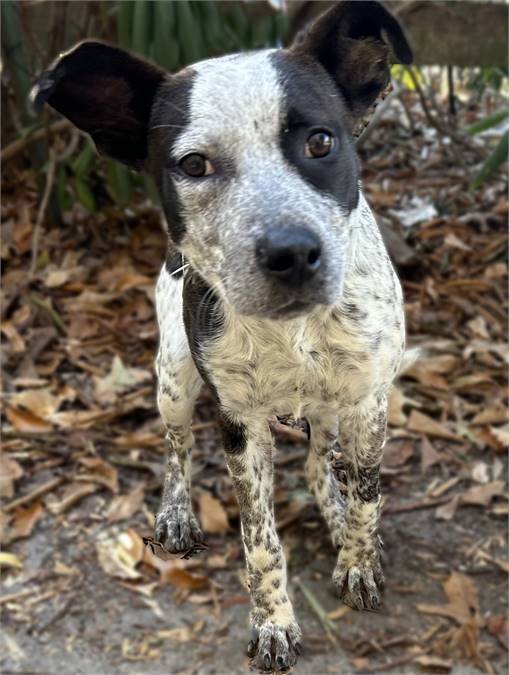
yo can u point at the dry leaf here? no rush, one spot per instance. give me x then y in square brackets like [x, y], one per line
[213, 516]
[498, 626]
[71, 496]
[429, 456]
[24, 521]
[481, 495]
[397, 452]
[338, 613]
[448, 510]
[463, 603]
[395, 416]
[119, 556]
[125, 506]
[493, 415]
[41, 402]
[119, 380]
[100, 472]
[10, 471]
[501, 434]
[184, 579]
[426, 425]
[23, 420]
[10, 560]
[436, 663]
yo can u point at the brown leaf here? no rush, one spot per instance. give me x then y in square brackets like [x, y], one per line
[184, 579]
[24, 521]
[212, 514]
[10, 471]
[498, 626]
[100, 472]
[395, 415]
[490, 415]
[23, 420]
[423, 424]
[463, 603]
[481, 495]
[41, 402]
[119, 556]
[448, 510]
[436, 663]
[397, 452]
[501, 434]
[429, 456]
[125, 506]
[71, 496]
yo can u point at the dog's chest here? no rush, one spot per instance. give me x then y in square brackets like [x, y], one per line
[262, 368]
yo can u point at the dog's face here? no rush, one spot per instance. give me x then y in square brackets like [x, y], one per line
[252, 153]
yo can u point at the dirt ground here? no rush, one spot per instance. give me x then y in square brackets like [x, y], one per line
[83, 449]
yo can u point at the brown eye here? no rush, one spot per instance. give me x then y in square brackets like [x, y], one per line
[196, 165]
[318, 144]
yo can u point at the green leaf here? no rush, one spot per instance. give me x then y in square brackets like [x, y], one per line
[142, 26]
[189, 34]
[497, 157]
[119, 182]
[125, 22]
[83, 162]
[166, 46]
[84, 195]
[488, 122]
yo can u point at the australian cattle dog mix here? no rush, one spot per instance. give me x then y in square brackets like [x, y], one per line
[277, 291]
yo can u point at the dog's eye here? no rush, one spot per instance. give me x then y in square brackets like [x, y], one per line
[196, 165]
[319, 144]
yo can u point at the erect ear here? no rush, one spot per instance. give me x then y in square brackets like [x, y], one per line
[106, 92]
[347, 41]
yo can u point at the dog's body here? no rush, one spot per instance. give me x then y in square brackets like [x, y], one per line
[285, 301]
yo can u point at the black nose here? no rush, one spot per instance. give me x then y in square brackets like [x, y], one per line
[291, 255]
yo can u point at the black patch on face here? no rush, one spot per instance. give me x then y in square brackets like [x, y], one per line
[170, 116]
[313, 103]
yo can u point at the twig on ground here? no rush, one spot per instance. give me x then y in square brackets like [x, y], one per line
[50, 177]
[20, 144]
[328, 626]
[38, 492]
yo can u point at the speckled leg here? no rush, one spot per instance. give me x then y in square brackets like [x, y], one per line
[176, 526]
[320, 478]
[358, 573]
[276, 637]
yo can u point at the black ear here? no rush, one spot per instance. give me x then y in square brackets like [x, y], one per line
[347, 40]
[106, 92]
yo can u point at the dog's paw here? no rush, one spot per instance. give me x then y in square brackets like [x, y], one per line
[274, 647]
[177, 528]
[359, 582]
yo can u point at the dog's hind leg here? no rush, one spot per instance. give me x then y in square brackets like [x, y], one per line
[358, 574]
[320, 477]
[179, 383]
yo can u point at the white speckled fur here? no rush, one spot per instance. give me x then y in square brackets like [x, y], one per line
[333, 366]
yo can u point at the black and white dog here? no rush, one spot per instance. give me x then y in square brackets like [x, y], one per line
[278, 291]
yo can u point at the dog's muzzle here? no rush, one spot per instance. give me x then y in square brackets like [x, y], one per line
[291, 256]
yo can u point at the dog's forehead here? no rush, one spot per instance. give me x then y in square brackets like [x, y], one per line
[231, 95]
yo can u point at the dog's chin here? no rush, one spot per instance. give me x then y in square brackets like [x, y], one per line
[292, 309]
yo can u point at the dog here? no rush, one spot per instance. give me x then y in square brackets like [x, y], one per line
[277, 291]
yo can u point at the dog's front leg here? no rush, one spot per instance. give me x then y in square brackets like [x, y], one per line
[358, 574]
[275, 642]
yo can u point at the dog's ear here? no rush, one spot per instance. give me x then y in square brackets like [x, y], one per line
[106, 92]
[347, 40]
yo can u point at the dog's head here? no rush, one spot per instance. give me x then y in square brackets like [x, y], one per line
[252, 153]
